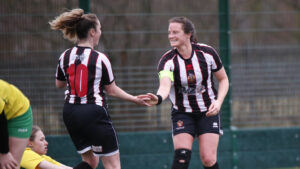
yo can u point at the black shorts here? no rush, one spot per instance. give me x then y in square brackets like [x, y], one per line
[195, 123]
[90, 128]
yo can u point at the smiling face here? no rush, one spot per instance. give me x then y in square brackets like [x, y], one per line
[176, 35]
[39, 143]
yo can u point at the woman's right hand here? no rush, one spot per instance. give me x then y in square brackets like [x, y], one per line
[150, 98]
[142, 100]
[7, 161]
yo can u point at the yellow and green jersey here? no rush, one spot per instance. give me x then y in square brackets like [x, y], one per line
[12, 101]
[31, 160]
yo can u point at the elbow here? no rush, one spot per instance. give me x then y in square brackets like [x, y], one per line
[111, 89]
[59, 87]
[60, 84]
[111, 93]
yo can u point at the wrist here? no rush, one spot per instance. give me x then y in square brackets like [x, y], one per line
[159, 99]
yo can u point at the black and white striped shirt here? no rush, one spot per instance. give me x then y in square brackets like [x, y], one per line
[86, 72]
[193, 87]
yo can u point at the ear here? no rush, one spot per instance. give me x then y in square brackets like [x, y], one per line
[29, 144]
[92, 32]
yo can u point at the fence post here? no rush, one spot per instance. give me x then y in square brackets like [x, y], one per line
[224, 46]
[85, 5]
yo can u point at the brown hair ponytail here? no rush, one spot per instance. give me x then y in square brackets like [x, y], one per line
[74, 24]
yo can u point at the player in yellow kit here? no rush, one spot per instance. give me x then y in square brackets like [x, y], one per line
[35, 156]
[15, 125]
[32, 159]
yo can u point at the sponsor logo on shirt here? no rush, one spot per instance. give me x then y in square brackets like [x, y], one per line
[22, 130]
[191, 90]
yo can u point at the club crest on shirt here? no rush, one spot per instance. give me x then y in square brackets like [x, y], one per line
[191, 78]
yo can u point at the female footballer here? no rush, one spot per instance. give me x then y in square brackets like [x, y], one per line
[88, 75]
[186, 76]
[15, 125]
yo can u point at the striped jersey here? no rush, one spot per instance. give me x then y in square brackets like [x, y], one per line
[86, 72]
[193, 88]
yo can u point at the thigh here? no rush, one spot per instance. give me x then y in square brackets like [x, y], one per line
[17, 147]
[183, 123]
[208, 124]
[21, 126]
[208, 144]
[104, 141]
[90, 127]
[111, 162]
[183, 140]
[89, 157]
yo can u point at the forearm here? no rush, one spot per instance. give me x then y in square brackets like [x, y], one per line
[115, 91]
[65, 167]
[222, 90]
[164, 88]
[121, 94]
[163, 91]
[47, 165]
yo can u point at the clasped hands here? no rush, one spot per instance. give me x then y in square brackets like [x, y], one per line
[148, 99]
[151, 99]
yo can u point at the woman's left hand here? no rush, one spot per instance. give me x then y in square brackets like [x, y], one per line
[142, 100]
[150, 98]
[213, 109]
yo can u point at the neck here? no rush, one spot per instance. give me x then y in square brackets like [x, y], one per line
[85, 43]
[185, 51]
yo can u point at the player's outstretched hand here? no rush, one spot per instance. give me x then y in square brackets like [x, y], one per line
[151, 99]
[143, 101]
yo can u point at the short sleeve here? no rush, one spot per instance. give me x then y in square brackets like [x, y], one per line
[166, 66]
[107, 73]
[215, 61]
[30, 159]
[59, 73]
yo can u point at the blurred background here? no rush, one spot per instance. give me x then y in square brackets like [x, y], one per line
[258, 40]
[264, 57]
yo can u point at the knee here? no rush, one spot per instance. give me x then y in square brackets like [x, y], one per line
[182, 159]
[208, 160]
[93, 162]
[83, 165]
[112, 166]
